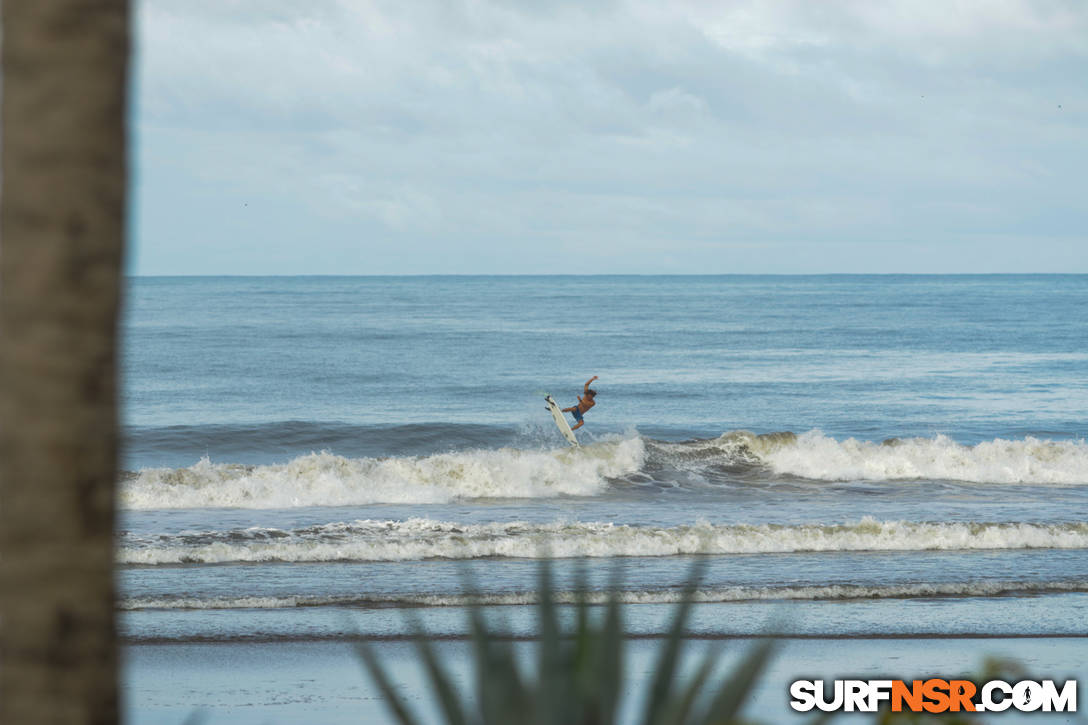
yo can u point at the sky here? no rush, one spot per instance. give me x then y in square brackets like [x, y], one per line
[613, 137]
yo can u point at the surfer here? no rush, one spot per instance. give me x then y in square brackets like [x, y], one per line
[584, 404]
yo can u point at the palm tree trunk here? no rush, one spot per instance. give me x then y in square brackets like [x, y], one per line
[62, 216]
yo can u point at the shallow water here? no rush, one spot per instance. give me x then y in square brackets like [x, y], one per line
[322, 681]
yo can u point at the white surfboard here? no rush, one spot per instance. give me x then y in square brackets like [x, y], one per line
[560, 421]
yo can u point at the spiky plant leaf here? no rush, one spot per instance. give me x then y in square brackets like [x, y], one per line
[682, 707]
[443, 687]
[579, 676]
[738, 685]
[593, 658]
[664, 675]
[377, 673]
[503, 693]
[500, 689]
[551, 674]
[609, 660]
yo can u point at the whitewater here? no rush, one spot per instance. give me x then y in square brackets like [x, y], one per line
[416, 539]
[326, 479]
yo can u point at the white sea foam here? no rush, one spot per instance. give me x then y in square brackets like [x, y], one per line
[414, 539]
[650, 596]
[816, 456]
[324, 479]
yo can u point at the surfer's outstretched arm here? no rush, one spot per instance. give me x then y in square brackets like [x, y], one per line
[586, 387]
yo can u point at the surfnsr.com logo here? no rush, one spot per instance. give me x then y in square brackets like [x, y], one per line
[933, 695]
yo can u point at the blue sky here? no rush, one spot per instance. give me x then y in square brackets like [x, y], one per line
[414, 137]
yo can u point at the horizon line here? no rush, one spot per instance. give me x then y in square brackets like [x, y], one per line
[620, 274]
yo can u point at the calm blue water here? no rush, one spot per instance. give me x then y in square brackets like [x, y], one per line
[889, 454]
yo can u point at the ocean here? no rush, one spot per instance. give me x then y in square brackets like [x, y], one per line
[852, 457]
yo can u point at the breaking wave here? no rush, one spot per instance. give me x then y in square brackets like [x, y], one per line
[324, 479]
[415, 539]
[998, 461]
[815, 456]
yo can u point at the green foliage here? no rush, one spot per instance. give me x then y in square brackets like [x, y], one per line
[993, 668]
[579, 672]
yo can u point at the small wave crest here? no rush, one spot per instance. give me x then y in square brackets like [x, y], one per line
[325, 479]
[709, 595]
[415, 539]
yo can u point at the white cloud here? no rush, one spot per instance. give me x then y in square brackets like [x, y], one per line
[550, 130]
